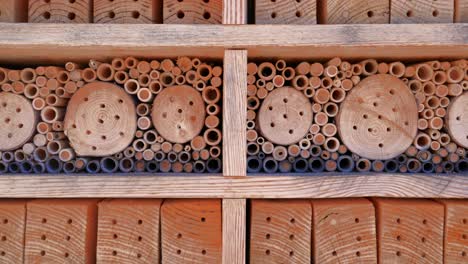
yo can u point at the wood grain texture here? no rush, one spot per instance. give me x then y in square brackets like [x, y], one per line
[344, 231]
[13, 10]
[19, 42]
[61, 231]
[191, 231]
[193, 12]
[357, 12]
[410, 231]
[235, 12]
[128, 231]
[456, 231]
[126, 12]
[461, 11]
[286, 12]
[234, 231]
[60, 11]
[12, 225]
[280, 231]
[421, 11]
[234, 113]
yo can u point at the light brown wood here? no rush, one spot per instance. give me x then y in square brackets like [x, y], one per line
[59, 11]
[126, 12]
[280, 231]
[59, 231]
[286, 12]
[422, 11]
[461, 11]
[12, 226]
[191, 231]
[178, 113]
[455, 231]
[378, 119]
[234, 231]
[100, 120]
[285, 116]
[235, 12]
[18, 121]
[344, 231]
[192, 12]
[13, 10]
[128, 231]
[234, 126]
[409, 231]
[357, 12]
[457, 120]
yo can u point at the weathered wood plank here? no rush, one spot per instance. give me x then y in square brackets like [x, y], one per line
[234, 231]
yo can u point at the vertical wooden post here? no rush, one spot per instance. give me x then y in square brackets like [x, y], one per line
[234, 230]
[235, 12]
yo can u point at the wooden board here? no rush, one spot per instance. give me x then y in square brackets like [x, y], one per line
[128, 231]
[461, 11]
[456, 231]
[60, 11]
[191, 231]
[421, 11]
[344, 231]
[192, 12]
[235, 12]
[12, 225]
[300, 12]
[410, 231]
[126, 12]
[280, 231]
[356, 12]
[60, 231]
[234, 231]
[13, 10]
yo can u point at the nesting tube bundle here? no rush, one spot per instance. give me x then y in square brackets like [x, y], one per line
[357, 116]
[125, 115]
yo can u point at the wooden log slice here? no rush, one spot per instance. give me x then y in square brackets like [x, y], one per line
[100, 120]
[457, 120]
[285, 116]
[378, 119]
[178, 113]
[17, 121]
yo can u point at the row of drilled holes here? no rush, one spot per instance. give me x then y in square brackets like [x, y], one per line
[291, 236]
[179, 236]
[181, 15]
[43, 237]
[115, 236]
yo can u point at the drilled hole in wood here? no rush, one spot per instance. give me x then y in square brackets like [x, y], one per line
[423, 239]
[66, 255]
[5, 221]
[4, 238]
[291, 131]
[398, 220]
[298, 13]
[370, 14]
[179, 235]
[398, 238]
[140, 238]
[334, 253]
[43, 253]
[358, 254]
[44, 220]
[380, 145]
[398, 253]
[435, 13]
[70, 221]
[424, 221]
[111, 14]
[179, 252]
[291, 236]
[291, 253]
[292, 221]
[71, 16]
[140, 222]
[115, 236]
[2, 253]
[356, 220]
[135, 14]
[358, 238]
[267, 252]
[138, 255]
[203, 252]
[206, 15]
[46, 15]
[43, 237]
[409, 13]
[68, 238]
[114, 253]
[463, 254]
[203, 219]
[268, 219]
[180, 14]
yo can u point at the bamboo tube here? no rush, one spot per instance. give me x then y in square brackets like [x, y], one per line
[300, 165]
[369, 67]
[200, 85]
[462, 166]
[93, 166]
[441, 91]
[262, 93]
[316, 165]
[198, 143]
[327, 83]
[41, 81]
[66, 154]
[300, 82]
[144, 80]
[39, 140]
[28, 75]
[57, 126]
[331, 109]
[251, 79]
[321, 119]
[321, 96]
[363, 165]
[211, 95]
[13, 167]
[329, 130]
[191, 77]
[397, 69]
[444, 139]
[18, 87]
[455, 74]
[302, 68]
[211, 121]
[212, 109]
[266, 71]
[88, 75]
[253, 164]
[345, 163]
[391, 166]
[13, 75]
[260, 83]
[330, 165]
[288, 73]
[330, 71]
[144, 95]
[133, 73]
[337, 95]
[55, 146]
[75, 76]
[444, 102]
[19, 155]
[316, 69]
[383, 68]
[455, 89]
[319, 139]
[50, 114]
[280, 153]
[139, 145]
[131, 86]
[212, 136]
[31, 91]
[213, 165]
[422, 141]
[331, 144]
[199, 166]
[6, 87]
[424, 72]
[293, 150]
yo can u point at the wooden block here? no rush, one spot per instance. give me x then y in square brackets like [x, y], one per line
[13, 10]
[280, 231]
[456, 231]
[409, 231]
[234, 225]
[357, 12]
[12, 223]
[128, 231]
[461, 11]
[421, 11]
[126, 11]
[300, 12]
[191, 231]
[192, 11]
[60, 11]
[344, 231]
[61, 231]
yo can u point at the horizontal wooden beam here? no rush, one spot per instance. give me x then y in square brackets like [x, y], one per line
[216, 186]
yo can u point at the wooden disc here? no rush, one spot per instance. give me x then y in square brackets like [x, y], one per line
[178, 113]
[17, 121]
[100, 120]
[378, 119]
[285, 116]
[457, 120]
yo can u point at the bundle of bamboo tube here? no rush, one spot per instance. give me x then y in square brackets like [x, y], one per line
[127, 115]
[294, 110]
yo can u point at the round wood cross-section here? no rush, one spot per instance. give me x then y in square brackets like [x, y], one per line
[285, 116]
[100, 120]
[378, 119]
[457, 120]
[17, 121]
[178, 113]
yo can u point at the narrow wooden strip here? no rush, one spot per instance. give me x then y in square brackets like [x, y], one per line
[234, 231]
[234, 113]
[235, 12]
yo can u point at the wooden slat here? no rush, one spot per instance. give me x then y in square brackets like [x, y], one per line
[357, 12]
[191, 231]
[421, 11]
[302, 12]
[126, 12]
[234, 231]
[456, 231]
[235, 12]
[19, 43]
[461, 11]
[344, 231]
[60, 11]
[13, 11]
[192, 12]
[234, 113]
[61, 231]
[12, 225]
[409, 231]
[128, 231]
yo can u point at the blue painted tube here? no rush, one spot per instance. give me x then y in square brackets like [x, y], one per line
[109, 165]
[26, 166]
[448, 166]
[413, 165]
[54, 165]
[285, 166]
[93, 166]
[363, 165]
[213, 165]
[13, 167]
[428, 167]
[199, 166]
[300, 165]
[152, 166]
[270, 165]
[39, 167]
[316, 165]
[391, 166]
[126, 165]
[378, 166]
[345, 163]
[254, 164]
[3, 167]
[172, 157]
[462, 166]
[69, 167]
[159, 156]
